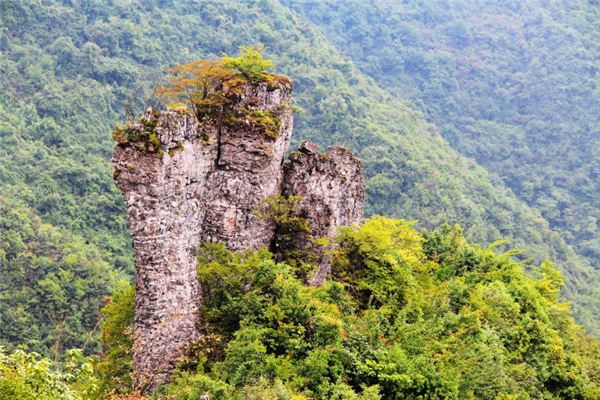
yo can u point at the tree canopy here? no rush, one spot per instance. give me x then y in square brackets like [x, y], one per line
[404, 316]
[249, 63]
[199, 84]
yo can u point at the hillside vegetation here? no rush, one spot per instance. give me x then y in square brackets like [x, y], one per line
[71, 70]
[513, 85]
[404, 316]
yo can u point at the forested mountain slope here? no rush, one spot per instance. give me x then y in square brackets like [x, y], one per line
[403, 316]
[514, 85]
[70, 68]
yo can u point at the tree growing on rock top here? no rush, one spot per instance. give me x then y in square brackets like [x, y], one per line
[200, 84]
[250, 62]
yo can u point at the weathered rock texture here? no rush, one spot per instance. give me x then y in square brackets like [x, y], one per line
[331, 188]
[189, 182]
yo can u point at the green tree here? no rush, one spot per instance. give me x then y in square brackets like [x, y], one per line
[249, 63]
[115, 364]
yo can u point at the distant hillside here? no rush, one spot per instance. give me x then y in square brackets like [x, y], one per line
[513, 85]
[71, 70]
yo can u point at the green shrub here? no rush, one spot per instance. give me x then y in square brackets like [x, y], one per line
[115, 364]
[249, 63]
[404, 316]
[25, 376]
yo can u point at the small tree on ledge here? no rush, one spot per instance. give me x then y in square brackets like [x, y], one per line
[199, 84]
[250, 62]
[195, 85]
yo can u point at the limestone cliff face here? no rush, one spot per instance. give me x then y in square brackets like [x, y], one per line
[187, 182]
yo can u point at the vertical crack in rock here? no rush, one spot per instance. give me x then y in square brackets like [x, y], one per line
[248, 171]
[187, 182]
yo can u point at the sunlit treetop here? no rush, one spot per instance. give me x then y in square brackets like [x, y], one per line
[200, 84]
[250, 63]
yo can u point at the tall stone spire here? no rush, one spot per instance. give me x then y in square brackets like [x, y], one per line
[186, 182]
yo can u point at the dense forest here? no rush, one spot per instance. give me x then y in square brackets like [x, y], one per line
[404, 316]
[482, 116]
[513, 85]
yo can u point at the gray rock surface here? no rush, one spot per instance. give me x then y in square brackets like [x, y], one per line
[331, 187]
[202, 182]
[162, 194]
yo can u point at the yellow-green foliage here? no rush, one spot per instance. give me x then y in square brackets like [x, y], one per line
[281, 210]
[294, 241]
[268, 121]
[209, 87]
[249, 63]
[115, 363]
[180, 108]
[379, 260]
[143, 133]
[404, 316]
[28, 376]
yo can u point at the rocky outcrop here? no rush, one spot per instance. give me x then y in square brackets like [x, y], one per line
[162, 195]
[331, 190]
[187, 181]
